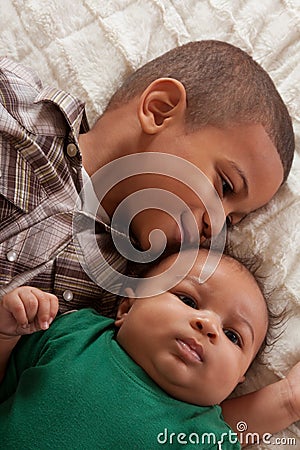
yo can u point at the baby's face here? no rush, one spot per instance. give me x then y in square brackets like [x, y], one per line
[196, 341]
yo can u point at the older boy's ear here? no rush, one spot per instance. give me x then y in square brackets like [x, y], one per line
[124, 307]
[162, 103]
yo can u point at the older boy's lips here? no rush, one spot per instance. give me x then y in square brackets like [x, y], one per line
[187, 233]
[190, 349]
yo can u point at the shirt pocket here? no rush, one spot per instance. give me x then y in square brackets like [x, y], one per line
[19, 183]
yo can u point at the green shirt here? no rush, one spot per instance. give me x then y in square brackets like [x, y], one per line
[73, 387]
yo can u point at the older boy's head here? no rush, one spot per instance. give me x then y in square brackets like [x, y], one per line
[209, 103]
[195, 340]
[224, 86]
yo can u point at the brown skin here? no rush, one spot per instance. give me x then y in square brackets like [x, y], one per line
[268, 410]
[155, 122]
[225, 326]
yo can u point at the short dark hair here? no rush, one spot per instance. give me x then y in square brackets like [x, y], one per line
[224, 86]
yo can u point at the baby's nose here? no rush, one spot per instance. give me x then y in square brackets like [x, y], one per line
[207, 325]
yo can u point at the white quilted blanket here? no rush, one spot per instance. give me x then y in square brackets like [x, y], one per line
[87, 47]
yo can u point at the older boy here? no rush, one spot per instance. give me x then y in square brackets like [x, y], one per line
[207, 102]
[154, 377]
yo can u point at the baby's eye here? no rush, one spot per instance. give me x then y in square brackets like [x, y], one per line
[226, 187]
[188, 301]
[233, 337]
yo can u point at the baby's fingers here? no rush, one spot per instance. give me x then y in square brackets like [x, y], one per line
[53, 307]
[47, 309]
[22, 304]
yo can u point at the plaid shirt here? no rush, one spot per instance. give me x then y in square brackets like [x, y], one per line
[40, 178]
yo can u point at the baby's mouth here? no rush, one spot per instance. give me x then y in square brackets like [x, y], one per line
[191, 349]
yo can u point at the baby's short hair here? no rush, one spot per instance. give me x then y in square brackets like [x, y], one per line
[224, 86]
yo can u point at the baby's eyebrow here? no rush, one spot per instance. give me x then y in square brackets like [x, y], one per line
[236, 315]
[194, 280]
[244, 320]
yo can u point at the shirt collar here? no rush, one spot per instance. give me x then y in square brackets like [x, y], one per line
[71, 107]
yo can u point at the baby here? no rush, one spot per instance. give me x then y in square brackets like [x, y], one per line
[155, 376]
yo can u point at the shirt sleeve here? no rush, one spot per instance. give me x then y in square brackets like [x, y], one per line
[29, 351]
[21, 72]
[43, 346]
[23, 356]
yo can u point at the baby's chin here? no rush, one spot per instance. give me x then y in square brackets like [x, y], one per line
[186, 394]
[199, 400]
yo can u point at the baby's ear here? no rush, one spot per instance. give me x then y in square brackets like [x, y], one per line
[124, 307]
[129, 292]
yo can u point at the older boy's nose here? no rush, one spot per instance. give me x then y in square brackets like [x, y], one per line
[216, 227]
[212, 228]
[207, 324]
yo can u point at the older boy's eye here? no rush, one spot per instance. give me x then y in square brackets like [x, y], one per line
[229, 222]
[226, 187]
[233, 337]
[187, 300]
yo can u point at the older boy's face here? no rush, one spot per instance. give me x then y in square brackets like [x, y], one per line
[197, 341]
[241, 163]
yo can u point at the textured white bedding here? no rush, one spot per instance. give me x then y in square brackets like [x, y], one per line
[88, 46]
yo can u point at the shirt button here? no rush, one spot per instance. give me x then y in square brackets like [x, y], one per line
[68, 295]
[72, 150]
[11, 256]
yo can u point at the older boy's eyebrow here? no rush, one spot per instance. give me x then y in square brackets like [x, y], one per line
[241, 174]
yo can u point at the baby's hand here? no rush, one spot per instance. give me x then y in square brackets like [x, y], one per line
[293, 379]
[26, 310]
